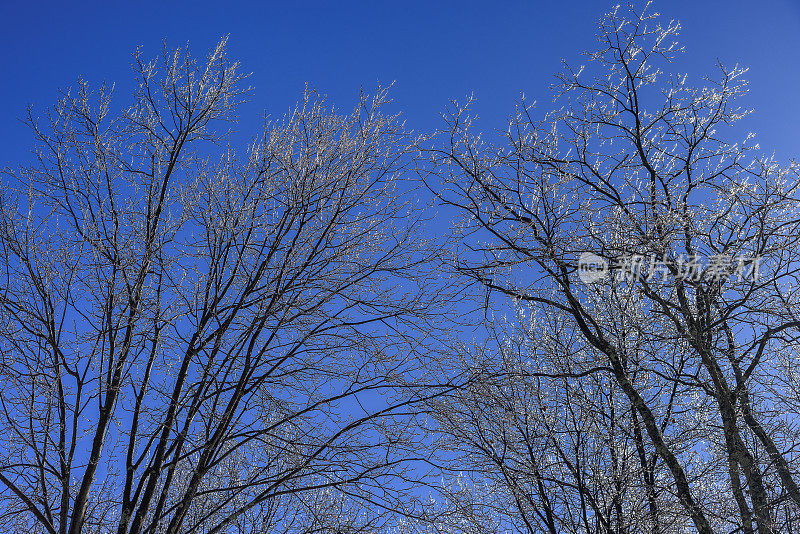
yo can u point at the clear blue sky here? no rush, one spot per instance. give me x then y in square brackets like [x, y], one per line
[434, 51]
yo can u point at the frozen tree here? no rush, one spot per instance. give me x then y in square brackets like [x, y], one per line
[200, 339]
[661, 397]
[542, 447]
[194, 339]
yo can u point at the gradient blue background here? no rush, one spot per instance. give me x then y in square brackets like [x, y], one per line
[434, 51]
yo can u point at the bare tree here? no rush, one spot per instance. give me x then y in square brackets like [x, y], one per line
[700, 362]
[195, 340]
[551, 448]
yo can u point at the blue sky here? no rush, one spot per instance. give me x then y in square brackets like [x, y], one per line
[433, 50]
